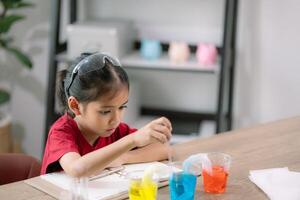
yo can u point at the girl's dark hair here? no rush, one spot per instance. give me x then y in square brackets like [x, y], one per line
[89, 86]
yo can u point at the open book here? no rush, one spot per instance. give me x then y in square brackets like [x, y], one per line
[110, 184]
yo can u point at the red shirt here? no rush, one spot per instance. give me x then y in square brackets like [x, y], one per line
[64, 137]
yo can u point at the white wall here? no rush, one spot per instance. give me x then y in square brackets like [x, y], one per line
[192, 21]
[267, 76]
[268, 73]
[280, 59]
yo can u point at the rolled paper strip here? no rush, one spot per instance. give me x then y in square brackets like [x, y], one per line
[158, 170]
[179, 52]
[150, 178]
[195, 161]
[150, 49]
[187, 163]
[206, 54]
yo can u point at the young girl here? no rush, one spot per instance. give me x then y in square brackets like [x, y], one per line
[90, 135]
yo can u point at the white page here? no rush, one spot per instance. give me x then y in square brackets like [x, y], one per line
[106, 187]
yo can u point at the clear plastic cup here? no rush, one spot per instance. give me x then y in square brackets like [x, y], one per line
[142, 187]
[78, 190]
[182, 183]
[215, 172]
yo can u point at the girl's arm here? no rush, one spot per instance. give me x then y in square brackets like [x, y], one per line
[78, 166]
[152, 152]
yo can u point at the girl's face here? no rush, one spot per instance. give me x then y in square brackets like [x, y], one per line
[103, 116]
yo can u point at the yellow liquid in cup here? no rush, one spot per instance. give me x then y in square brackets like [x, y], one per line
[139, 190]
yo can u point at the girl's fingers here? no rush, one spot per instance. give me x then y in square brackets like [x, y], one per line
[163, 130]
[164, 121]
[167, 123]
[160, 137]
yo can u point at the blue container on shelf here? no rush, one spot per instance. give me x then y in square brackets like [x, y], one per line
[150, 49]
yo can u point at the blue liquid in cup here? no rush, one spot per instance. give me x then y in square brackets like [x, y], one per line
[182, 186]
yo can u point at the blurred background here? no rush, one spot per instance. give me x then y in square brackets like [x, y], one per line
[266, 69]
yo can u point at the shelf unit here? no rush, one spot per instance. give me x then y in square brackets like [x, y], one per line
[135, 61]
[224, 68]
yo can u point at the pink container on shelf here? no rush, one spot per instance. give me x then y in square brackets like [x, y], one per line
[206, 54]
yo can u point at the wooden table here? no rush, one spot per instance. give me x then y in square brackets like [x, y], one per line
[275, 144]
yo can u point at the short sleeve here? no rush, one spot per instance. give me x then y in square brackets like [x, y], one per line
[60, 142]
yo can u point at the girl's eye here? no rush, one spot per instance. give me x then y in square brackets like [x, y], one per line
[123, 107]
[104, 112]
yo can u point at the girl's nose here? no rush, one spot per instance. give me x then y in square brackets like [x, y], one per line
[116, 118]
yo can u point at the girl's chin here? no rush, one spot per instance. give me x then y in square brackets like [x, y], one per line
[107, 133]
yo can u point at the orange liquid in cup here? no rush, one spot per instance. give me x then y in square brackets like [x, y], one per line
[216, 182]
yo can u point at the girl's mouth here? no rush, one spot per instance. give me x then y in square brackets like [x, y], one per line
[111, 130]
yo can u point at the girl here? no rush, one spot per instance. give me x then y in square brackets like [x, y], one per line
[90, 135]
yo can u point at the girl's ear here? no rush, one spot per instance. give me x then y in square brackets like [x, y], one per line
[74, 105]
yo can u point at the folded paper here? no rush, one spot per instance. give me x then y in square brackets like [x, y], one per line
[277, 183]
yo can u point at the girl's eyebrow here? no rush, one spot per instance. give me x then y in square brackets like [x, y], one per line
[115, 106]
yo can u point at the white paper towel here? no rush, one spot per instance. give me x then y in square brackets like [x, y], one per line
[277, 183]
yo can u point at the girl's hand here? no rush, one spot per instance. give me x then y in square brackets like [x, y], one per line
[157, 130]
